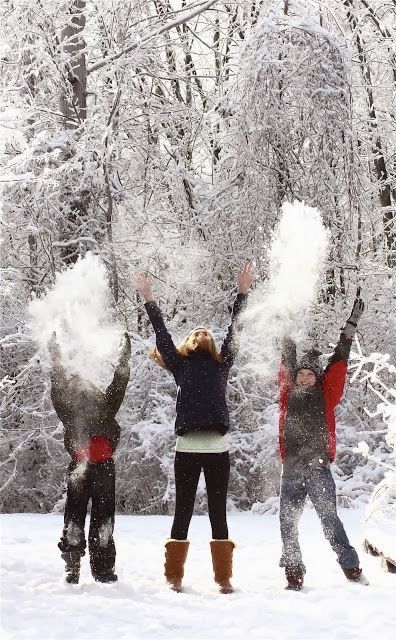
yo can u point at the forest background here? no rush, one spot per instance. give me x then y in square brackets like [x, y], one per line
[166, 136]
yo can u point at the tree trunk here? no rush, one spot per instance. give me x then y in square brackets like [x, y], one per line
[73, 102]
[379, 163]
[73, 105]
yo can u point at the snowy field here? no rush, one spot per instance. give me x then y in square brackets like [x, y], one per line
[36, 603]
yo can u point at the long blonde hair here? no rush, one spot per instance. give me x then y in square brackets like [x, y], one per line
[184, 349]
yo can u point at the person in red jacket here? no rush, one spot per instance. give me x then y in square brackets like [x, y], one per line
[307, 441]
[91, 435]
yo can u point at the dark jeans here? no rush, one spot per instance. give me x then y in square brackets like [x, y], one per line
[94, 480]
[216, 468]
[319, 485]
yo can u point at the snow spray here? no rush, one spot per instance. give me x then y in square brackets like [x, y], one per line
[279, 306]
[78, 309]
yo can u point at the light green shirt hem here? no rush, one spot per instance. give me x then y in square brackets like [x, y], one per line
[202, 442]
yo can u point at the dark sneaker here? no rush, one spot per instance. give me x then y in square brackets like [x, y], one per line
[295, 578]
[353, 574]
[72, 560]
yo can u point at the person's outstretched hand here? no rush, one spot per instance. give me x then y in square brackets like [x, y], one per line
[54, 349]
[246, 277]
[125, 349]
[352, 322]
[144, 285]
[357, 310]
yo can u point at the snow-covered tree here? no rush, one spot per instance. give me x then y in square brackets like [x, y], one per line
[377, 372]
[166, 135]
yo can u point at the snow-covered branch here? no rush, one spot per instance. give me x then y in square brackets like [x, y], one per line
[193, 11]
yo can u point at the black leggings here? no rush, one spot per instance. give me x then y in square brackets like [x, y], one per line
[216, 468]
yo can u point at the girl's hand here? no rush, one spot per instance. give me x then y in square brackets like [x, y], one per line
[246, 277]
[144, 285]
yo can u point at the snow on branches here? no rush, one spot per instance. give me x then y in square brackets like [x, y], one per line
[371, 370]
[379, 375]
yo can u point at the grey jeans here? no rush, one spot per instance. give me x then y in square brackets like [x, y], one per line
[318, 484]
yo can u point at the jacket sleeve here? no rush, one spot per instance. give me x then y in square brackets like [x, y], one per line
[59, 392]
[115, 392]
[285, 383]
[164, 342]
[289, 356]
[336, 371]
[230, 346]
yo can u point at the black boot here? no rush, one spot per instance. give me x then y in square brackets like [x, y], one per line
[295, 578]
[102, 564]
[106, 576]
[102, 561]
[73, 561]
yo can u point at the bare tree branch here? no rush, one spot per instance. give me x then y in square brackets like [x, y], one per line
[203, 6]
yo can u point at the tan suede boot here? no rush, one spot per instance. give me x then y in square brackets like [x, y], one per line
[175, 557]
[222, 563]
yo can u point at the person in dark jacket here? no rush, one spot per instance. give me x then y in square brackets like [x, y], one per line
[91, 435]
[307, 440]
[202, 422]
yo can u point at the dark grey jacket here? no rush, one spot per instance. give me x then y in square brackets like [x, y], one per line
[97, 418]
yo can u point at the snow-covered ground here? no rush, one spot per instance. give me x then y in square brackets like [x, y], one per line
[36, 603]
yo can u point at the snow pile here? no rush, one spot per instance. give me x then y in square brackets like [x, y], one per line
[381, 511]
[296, 259]
[78, 309]
[381, 517]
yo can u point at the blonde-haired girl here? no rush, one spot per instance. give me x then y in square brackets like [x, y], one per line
[202, 421]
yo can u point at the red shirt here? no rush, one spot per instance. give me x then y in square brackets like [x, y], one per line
[97, 449]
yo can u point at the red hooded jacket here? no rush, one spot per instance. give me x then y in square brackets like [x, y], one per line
[332, 385]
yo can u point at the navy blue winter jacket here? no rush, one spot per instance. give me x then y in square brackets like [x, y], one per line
[201, 381]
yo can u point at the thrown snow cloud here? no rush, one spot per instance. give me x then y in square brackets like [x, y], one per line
[296, 259]
[297, 255]
[78, 308]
